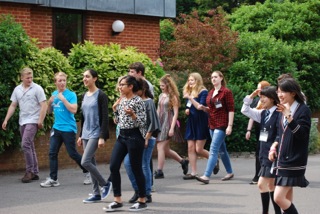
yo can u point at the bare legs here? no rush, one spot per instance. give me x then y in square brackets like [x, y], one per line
[164, 150]
[195, 148]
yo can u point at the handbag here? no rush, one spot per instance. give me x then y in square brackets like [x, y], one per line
[177, 136]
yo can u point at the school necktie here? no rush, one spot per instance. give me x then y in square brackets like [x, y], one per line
[285, 123]
[267, 116]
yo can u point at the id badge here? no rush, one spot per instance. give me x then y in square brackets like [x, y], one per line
[263, 136]
[189, 104]
[218, 104]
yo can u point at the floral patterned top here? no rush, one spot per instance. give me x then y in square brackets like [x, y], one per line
[125, 121]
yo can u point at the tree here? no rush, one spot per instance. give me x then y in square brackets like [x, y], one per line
[200, 45]
[279, 37]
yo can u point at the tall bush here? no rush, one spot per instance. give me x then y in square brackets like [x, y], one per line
[260, 57]
[111, 62]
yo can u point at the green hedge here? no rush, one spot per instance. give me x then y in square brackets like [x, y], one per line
[18, 51]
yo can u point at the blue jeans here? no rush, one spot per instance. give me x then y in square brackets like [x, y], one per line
[56, 140]
[130, 141]
[147, 155]
[218, 146]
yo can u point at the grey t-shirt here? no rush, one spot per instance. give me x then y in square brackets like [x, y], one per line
[89, 107]
[29, 102]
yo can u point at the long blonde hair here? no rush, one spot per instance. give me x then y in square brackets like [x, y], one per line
[172, 90]
[194, 91]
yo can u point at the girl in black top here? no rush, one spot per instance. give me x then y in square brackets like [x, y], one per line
[267, 118]
[291, 145]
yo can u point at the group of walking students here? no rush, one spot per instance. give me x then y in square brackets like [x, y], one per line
[280, 112]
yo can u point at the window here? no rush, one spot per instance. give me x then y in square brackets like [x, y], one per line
[68, 28]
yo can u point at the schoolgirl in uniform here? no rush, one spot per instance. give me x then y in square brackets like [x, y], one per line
[267, 117]
[290, 149]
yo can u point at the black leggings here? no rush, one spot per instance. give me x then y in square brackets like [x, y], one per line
[129, 141]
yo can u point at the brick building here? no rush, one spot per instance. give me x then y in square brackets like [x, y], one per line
[59, 23]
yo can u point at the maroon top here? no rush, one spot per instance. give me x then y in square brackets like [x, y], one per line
[218, 117]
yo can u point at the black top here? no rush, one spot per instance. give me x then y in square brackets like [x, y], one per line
[293, 143]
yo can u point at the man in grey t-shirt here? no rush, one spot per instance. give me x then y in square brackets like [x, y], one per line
[33, 106]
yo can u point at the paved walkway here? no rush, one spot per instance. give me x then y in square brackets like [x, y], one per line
[172, 195]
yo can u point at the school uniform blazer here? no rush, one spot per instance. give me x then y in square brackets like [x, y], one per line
[293, 143]
[272, 129]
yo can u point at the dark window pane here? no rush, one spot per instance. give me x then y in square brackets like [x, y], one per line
[68, 29]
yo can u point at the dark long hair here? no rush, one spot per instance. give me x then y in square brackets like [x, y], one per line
[132, 81]
[94, 74]
[271, 92]
[145, 87]
[291, 85]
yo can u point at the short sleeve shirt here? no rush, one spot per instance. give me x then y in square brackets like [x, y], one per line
[29, 102]
[63, 119]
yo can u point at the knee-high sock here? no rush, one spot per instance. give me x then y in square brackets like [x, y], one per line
[265, 198]
[277, 209]
[291, 210]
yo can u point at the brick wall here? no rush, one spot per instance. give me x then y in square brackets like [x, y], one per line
[142, 32]
[13, 159]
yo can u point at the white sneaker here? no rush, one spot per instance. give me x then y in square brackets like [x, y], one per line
[50, 183]
[87, 179]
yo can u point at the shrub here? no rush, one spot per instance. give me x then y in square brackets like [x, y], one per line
[314, 141]
[15, 47]
[111, 62]
[45, 63]
[260, 57]
[237, 142]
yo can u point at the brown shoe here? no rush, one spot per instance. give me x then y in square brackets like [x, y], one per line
[35, 177]
[27, 178]
[227, 177]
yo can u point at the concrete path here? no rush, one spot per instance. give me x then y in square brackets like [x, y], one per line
[172, 195]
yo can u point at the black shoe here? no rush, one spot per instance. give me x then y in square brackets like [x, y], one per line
[254, 180]
[185, 166]
[139, 206]
[216, 168]
[148, 199]
[134, 198]
[158, 175]
[113, 207]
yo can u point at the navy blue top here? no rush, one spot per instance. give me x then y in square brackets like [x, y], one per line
[197, 123]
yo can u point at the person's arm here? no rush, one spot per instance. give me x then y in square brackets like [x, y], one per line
[230, 122]
[50, 108]
[202, 101]
[10, 112]
[273, 151]
[42, 115]
[103, 117]
[252, 113]
[249, 128]
[71, 107]
[175, 117]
